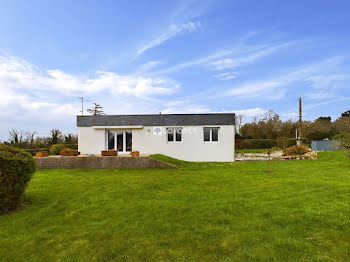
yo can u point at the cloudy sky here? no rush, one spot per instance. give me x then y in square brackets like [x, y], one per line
[171, 57]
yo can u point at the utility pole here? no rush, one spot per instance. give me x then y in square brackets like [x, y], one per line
[82, 104]
[300, 122]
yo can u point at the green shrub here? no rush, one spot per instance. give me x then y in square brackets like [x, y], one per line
[57, 148]
[295, 150]
[35, 150]
[245, 144]
[343, 143]
[282, 142]
[72, 146]
[261, 143]
[16, 169]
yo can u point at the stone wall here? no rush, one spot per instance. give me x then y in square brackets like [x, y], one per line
[99, 162]
[277, 155]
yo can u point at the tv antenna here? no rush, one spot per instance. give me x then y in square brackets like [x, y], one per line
[82, 104]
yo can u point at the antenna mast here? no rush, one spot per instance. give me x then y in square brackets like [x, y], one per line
[82, 104]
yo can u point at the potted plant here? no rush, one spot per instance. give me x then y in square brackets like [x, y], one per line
[135, 153]
[109, 153]
[68, 152]
[42, 154]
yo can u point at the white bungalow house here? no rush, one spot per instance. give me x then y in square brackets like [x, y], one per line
[190, 137]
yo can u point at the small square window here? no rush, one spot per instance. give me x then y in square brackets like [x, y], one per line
[211, 134]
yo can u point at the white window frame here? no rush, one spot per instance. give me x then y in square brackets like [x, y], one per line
[174, 135]
[211, 134]
[115, 140]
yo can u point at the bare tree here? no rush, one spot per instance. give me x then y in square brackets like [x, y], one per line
[55, 135]
[16, 137]
[239, 120]
[30, 137]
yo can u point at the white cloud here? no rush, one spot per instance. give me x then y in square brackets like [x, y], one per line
[24, 88]
[226, 76]
[172, 31]
[276, 87]
[19, 74]
[149, 65]
[248, 58]
[251, 112]
[240, 55]
[225, 63]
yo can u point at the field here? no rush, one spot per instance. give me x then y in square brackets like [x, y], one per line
[199, 212]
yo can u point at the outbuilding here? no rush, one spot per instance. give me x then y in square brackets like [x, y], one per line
[190, 137]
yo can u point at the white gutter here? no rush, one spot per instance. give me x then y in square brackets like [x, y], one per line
[117, 127]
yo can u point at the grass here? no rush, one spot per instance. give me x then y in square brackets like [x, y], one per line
[199, 212]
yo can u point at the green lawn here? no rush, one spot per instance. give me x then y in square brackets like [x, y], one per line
[199, 212]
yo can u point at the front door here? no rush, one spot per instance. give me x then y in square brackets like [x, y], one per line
[120, 140]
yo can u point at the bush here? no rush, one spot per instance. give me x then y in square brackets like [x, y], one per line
[245, 144]
[343, 143]
[69, 152]
[57, 148]
[35, 150]
[295, 150]
[261, 143]
[16, 169]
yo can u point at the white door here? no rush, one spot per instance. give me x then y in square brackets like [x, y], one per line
[120, 140]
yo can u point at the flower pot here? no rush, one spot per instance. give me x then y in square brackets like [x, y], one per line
[109, 153]
[135, 153]
[69, 153]
[42, 154]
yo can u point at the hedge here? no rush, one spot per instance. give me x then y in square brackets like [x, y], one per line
[57, 148]
[256, 144]
[267, 143]
[16, 169]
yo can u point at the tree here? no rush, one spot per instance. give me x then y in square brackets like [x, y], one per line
[96, 110]
[55, 135]
[16, 137]
[238, 122]
[343, 140]
[30, 137]
[70, 139]
[320, 129]
[342, 125]
[346, 114]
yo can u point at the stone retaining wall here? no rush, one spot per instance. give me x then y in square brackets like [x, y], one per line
[99, 162]
[277, 155]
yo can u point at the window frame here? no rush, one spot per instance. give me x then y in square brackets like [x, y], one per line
[211, 134]
[174, 129]
[124, 143]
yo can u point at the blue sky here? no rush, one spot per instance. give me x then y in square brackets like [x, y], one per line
[172, 57]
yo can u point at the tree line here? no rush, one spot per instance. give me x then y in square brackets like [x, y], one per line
[31, 140]
[270, 126]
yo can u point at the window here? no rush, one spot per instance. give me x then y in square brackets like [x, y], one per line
[120, 140]
[174, 134]
[211, 134]
[110, 140]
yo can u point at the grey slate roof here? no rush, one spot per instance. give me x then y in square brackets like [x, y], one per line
[157, 120]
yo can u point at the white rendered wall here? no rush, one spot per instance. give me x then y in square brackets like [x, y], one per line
[191, 148]
[90, 140]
